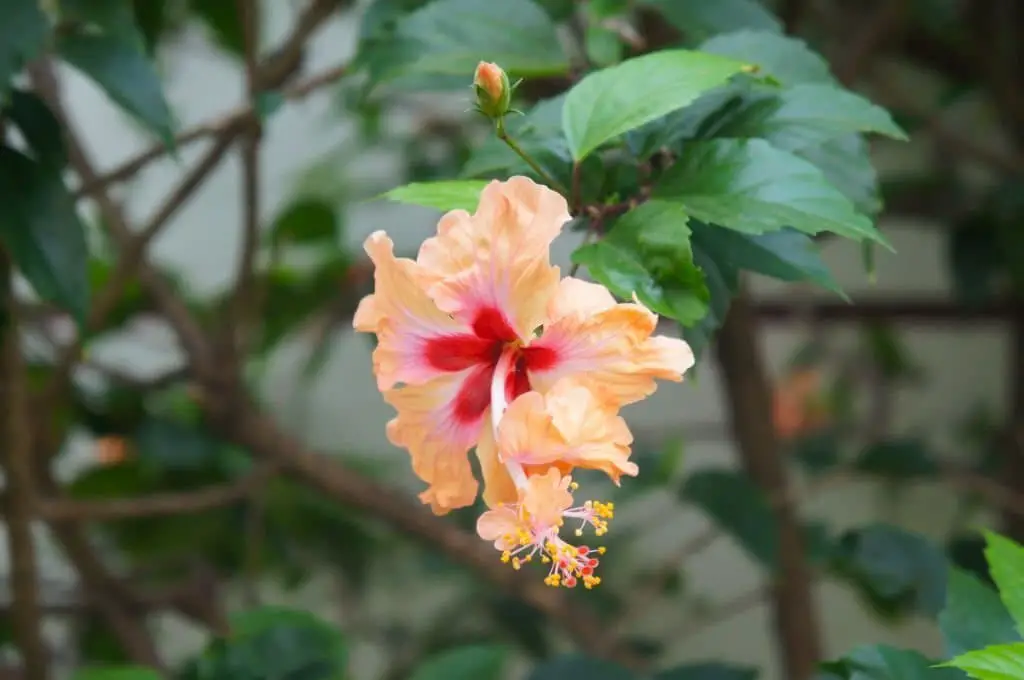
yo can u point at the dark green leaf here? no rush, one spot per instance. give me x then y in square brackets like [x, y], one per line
[306, 221]
[895, 569]
[171, 445]
[806, 115]
[117, 673]
[899, 459]
[880, 662]
[974, 617]
[708, 671]
[847, 166]
[612, 101]
[786, 254]
[124, 72]
[700, 19]
[786, 59]
[818, 452]
[42, 232]
[480, 662]
[722, 282]
[39, 127]
[740, 507]
[889, 354]
[449, 38]
[221, 18]
[1006, 561]
[24, 29]
[647, 252]
[577, 667]
[975, 259]
[115, 18]
[752, 187]
[463, 194]
[998, 662]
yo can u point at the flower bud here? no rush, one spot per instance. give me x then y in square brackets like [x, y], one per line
[493, 91]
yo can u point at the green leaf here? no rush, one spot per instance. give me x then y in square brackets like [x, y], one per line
[115, 18]
[1006, 560]
[722, 282]
[880, 662]
[604, 46]
[539, 133]
[740, 507]
[612, 101]
[305, 221]
[647, 252]
[787, 60]
[449, 38]
[998, 662]
[124, 72]
[750, 186]
[39, 127]
[171, 445]
[24, 29]
[974, 617]
[976, 259]
[708, 671]
[221, 18]
[700, 19]
[846, 163]
[898, 459]
[806, 115]
[447, 195]
[786, 254]
[895, 569]
[483, 662]
[573, 666]
[117, 673]
[42, 232]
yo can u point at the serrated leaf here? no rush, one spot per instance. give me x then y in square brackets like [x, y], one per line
[708, 671]
[788, 60]
[806, 115]
[647, 253]
[24, 29]
[752, 187]
[847, 166]
[612, 101]
[43, 233]
[1006, 561]
[998, 662]
[472, 661]
[124, 72]
[700, 19]
[881, 662]
[974, 616]
[449, 38]
[39, 127]
[447, 195]
[786, 254]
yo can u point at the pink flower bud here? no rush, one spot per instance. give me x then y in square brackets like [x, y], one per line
[493, 91]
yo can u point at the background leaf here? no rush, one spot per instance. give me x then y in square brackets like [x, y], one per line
[451, 195]
[700, 19]
[998, 662]
[474, 661]
[24, 29]
[1006, 561]
[974, 617]
[786, 59]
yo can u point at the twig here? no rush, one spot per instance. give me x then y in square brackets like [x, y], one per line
[16, 436]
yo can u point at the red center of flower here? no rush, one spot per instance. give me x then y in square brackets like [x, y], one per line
[480, 351]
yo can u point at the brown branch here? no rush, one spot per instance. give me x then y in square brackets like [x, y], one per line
[179, 503]
[16, 442]
[748, 396]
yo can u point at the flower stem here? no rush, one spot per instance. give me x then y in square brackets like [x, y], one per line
[499, 126]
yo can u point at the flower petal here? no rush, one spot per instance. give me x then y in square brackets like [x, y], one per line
[546, 498]
[609, 348]
[498, 485]
[499, 525]
[438, 422]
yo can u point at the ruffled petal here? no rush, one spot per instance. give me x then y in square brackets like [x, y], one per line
[499, 488]
[438, 422]
[546, 498]
[609, 348]
[500, 525]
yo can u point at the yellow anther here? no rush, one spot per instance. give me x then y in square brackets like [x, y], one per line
[516, 563]
[601, 550]
[505, 557]
[574, 486]
[579, 532]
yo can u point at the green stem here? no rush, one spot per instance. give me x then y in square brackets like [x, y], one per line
[503, 135]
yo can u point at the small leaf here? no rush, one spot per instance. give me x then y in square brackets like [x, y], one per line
[43, 233]
[474, 661]
[24, 29]
[604, 46]
[700, 19]
[117, 673]
[898, 459]
[39, 127]
[612, 101]
[974, 616]
[708, 671]
[647, 252]
[998, 662]
[1006, 560]
[786, 254]
[752, 187]
[449, 38]
[306, 221]
[124, 73]
[221, 18]
[448, 195]
[786, 59]
[571, 666]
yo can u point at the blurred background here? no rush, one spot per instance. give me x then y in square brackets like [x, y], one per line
[892, 410]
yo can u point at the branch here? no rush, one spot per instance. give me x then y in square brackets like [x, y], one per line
[748, 396]
[16, 438]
